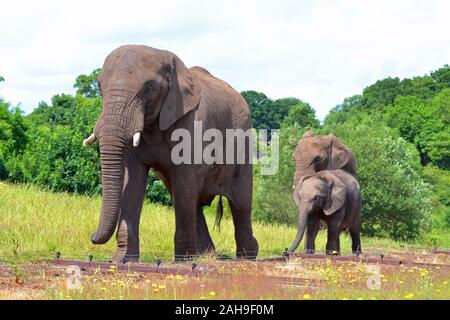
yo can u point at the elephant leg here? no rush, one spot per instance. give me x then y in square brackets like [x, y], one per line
[185, 205]
[135, 182]
[332, 247]
[204, 241]
[241, 210]
[356, 240]
[312, 228]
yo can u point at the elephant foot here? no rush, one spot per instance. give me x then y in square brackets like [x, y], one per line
[249, 250]
[205, 248]
[185, 253]
[120, 257]
[310, 251]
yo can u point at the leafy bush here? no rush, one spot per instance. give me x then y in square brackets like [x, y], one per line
[440, 180]
[13, 137]
[156, 190]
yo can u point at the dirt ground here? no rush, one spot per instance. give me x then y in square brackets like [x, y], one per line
[296, 278]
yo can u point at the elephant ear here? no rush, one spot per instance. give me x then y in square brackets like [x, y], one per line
[337, 194]
[183, 94]
[341, 156]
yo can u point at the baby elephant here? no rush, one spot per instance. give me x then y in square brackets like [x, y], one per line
[332, 196]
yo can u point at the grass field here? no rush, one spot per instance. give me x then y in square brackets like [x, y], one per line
[35, 223]
[38, 223]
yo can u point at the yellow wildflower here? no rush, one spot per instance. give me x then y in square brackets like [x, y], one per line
[212, 293]
[306, 296]
[409, 296]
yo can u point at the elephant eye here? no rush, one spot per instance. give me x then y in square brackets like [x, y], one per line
[150, 89]
[317, 199]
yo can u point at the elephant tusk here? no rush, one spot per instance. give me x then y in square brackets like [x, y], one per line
[136, 139]
[89, 140]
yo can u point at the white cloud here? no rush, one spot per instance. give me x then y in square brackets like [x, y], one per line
[319, 51]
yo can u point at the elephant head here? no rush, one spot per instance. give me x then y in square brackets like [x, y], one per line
[321, 191]
[316, 153]
[141, 86]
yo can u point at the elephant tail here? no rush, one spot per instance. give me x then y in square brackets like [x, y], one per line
[219, 214]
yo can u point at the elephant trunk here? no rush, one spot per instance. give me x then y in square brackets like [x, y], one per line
[111, 156]
[301, 230]
[115, 131]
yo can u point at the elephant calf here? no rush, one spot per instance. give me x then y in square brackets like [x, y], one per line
[332, 196]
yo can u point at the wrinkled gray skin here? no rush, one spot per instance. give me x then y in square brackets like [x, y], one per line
[151, 91]
[316, 153]
[332, 196]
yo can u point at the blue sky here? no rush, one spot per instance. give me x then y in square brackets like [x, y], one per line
[319, 51]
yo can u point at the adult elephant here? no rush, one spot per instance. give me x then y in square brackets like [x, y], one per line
[315, 153]
[147, 94]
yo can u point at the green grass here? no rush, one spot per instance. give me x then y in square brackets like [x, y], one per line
[36, 223]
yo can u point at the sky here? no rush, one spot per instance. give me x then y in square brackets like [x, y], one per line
[319, 51]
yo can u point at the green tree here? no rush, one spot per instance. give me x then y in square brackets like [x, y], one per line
[60, 112]
[301, 115]
[87, 85]
[267, 113]
[344, 111]
[408, 114]
[13, 137]
[383, 92]
[442, 77]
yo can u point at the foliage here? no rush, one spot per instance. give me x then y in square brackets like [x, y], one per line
[440, 180]
[269, 114]
[344, 111]
[302, 115]
[156, 190]
[87, 85]
[13, 137]
[55, 157]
